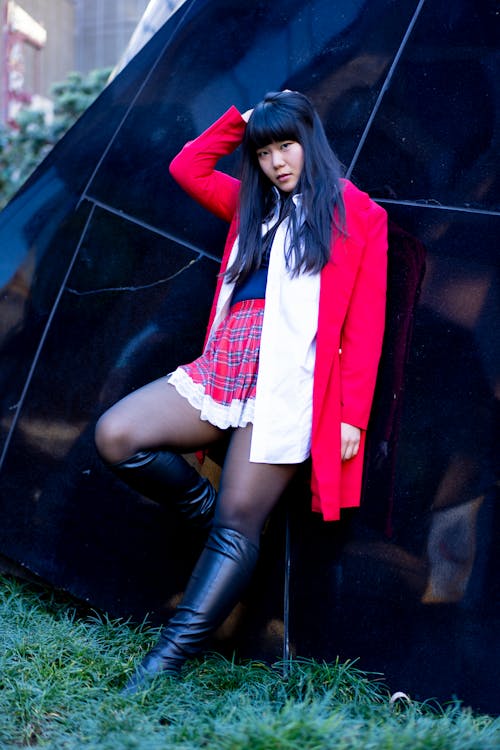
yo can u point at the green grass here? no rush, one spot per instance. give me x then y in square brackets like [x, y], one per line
[61, 671]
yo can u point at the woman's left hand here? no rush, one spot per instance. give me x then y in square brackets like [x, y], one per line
[350, 437]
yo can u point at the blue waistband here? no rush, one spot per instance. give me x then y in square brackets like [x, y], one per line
[254, 287]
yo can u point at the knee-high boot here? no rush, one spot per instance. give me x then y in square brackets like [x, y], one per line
[220, 576]
[166, 477]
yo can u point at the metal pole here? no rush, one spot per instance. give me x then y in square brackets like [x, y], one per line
[286, 599]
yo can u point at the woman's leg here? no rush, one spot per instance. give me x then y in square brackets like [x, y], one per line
[247, 495]
[134, 437]
[249, 491]
[155, 416]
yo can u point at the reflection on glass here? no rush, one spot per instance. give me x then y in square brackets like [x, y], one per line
[155, 15]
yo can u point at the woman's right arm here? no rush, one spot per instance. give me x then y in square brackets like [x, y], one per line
[194, 166]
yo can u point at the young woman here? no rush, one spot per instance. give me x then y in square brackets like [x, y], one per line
[289, 364]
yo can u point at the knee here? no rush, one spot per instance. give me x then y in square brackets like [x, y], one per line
[114, 438]
[242, 514]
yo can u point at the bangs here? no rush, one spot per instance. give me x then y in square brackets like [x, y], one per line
[269, 124]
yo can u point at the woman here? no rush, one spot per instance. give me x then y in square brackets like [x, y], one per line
[289, 364]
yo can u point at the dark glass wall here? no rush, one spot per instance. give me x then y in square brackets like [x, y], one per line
[106, 275]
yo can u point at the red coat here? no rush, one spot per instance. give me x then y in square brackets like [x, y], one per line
[351, 310]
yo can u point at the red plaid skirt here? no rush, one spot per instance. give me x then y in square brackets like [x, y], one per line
[221, 383]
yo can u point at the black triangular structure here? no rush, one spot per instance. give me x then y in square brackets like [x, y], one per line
[107, 271]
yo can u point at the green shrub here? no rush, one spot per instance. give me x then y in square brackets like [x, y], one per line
[23, 148]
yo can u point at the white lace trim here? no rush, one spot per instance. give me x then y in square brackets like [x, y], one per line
[236, 414]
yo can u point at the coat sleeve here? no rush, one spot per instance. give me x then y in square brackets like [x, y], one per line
[363, 329]
[194, 166]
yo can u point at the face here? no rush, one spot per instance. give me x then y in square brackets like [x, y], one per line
[282, 163]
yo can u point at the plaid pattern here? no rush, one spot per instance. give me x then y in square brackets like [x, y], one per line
[222, 382]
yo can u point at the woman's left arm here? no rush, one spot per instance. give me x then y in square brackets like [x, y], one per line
[363, 328]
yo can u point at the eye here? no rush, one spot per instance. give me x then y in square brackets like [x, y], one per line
[262, 153]
[286, 145]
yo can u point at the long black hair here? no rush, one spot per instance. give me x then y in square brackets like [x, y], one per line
[282, 116]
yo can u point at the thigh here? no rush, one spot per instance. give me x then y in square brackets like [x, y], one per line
[240, 472]
[156, 416]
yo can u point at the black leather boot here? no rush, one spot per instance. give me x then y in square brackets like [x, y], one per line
[166, 477]
[220, 576]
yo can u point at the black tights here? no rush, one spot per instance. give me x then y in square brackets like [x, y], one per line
[248, 491]
[156, 417]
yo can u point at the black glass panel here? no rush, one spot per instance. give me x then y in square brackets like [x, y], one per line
[339, 58]
[409, 583]
[121, 322]
[40, 233]
[436, 137]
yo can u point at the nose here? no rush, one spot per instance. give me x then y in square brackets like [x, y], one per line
[277, 157]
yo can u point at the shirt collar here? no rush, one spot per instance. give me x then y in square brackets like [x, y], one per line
[296, 197]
